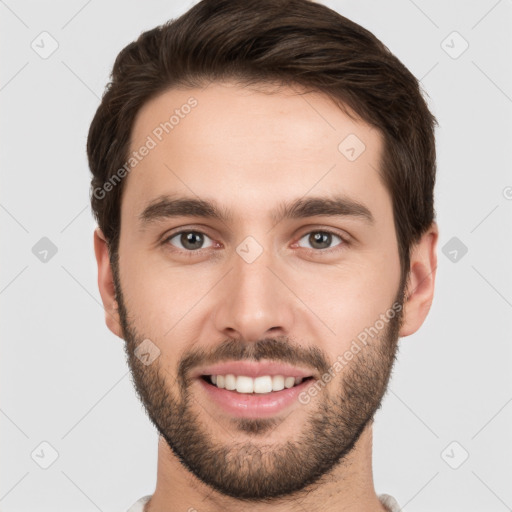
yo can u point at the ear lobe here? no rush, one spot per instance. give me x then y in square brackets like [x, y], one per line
[106, 283]
[420, 289]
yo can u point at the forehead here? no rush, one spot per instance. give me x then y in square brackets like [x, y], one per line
[251, 150]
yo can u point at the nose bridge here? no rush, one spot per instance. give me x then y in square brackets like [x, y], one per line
[253, 300]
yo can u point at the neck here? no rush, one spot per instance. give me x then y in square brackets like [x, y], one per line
[347, 488]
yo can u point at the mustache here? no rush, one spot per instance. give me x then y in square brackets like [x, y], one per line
[272, 349]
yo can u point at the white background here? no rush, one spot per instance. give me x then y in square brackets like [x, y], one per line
[64, 379]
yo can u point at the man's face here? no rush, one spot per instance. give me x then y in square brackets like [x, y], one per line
[254, 293]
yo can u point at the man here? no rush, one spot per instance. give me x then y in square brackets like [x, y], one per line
[263, 176]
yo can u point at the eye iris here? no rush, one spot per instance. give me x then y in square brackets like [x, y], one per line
[191, 240]
[320, 237]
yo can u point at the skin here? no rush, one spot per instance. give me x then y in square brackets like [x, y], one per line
[249, 151]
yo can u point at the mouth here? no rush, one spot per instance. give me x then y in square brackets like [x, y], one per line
[251, 389]
[252, 397]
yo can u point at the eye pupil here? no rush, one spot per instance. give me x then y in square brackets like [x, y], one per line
[191, 240]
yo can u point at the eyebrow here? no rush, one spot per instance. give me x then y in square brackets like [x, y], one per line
[165, 207]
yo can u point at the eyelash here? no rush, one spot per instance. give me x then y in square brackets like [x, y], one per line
[344, 242]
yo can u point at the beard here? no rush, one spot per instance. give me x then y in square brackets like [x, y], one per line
[251, 470]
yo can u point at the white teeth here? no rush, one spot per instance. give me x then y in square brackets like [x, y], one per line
[263, 384]
[244, 384]
[289, 382]
[230, 382]
[277, 383]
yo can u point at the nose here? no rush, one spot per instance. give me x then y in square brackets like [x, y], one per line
[254, 302]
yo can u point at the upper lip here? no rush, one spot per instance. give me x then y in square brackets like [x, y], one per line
[253, 369]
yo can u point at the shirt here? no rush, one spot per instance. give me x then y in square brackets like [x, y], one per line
[388, 501]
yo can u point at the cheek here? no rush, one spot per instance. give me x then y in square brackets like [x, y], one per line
[161, 298]
[353, 298]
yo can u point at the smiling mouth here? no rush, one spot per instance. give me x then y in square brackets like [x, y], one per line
[258, 385]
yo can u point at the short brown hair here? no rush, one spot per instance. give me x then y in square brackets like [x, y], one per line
[288, 42]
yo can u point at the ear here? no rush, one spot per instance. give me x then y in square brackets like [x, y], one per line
[420, 289]
[106, 283]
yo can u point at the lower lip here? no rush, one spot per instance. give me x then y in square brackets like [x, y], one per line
[254, 405]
